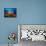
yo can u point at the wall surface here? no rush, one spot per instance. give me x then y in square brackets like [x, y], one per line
[28, 12]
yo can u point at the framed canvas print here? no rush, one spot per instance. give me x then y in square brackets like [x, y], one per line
[10, 12]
